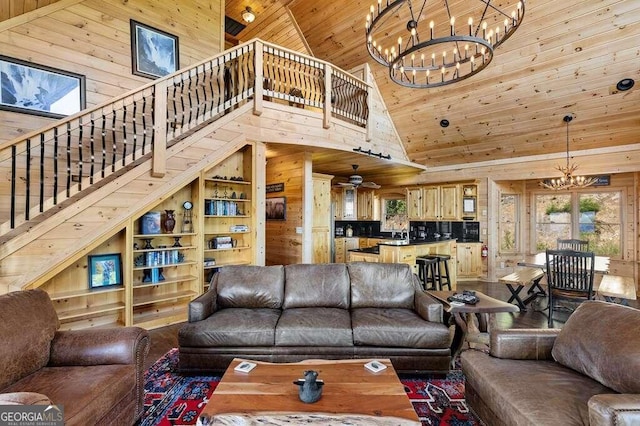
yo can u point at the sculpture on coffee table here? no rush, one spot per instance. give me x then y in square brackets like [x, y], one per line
[309, 388]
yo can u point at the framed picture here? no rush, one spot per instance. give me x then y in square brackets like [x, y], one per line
[276, 208]
[37, 89]
[154, 53]
[468, 204]
[150, 223]
[105, 270]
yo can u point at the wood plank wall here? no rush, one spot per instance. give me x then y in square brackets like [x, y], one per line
[12, 8]
[283, 244]
[92, 38]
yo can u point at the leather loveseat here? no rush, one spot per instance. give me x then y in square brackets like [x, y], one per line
[96, 376]
[588, 373]
[327, 311]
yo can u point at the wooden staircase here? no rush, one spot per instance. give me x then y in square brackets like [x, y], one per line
[190, 138]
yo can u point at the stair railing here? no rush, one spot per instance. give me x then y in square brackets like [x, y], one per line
[49, 166]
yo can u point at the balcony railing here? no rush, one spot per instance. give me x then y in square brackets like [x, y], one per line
[48, 167]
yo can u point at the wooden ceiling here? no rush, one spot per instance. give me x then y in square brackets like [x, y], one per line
[566, 58]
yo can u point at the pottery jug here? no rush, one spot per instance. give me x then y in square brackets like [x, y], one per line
[169, 221]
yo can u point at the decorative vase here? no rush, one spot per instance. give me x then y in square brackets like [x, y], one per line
[169, 221]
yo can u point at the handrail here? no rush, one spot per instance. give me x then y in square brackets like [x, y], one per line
[50, 165]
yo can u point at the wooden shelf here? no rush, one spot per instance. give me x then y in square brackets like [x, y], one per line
[79, 325]
[83, 293]
[147, 300]
[83, 312]
[166, 265]
[228, 249]
[220, 215]
[164, 249]
[233, 182]
[175, 234]
[227, 233]
[239, 200]
[151, 320]
[184, 278]
[221, 264]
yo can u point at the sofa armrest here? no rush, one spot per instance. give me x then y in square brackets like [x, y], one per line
[429, 308]
[125, 345]
[521, 343]
[614, 409]
[203, 306]
[24, 398]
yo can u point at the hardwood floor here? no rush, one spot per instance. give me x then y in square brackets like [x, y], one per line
[165, 338]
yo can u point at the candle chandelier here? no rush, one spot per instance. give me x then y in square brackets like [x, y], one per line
[568, 180]
[430, 44]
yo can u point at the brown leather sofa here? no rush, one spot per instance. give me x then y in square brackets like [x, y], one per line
[327, 311]
[95, 375]
[588, 373]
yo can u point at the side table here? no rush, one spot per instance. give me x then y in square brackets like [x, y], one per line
[473, 322]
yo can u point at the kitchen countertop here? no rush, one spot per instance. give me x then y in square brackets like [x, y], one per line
[376, 249]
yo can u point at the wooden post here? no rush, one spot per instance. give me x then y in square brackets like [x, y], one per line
[366, 71]
[159, 155]
[258, 56]
[327, 96]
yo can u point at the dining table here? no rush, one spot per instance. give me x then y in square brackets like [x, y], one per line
[539, 260]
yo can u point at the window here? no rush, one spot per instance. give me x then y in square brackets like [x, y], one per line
[595, 216]
[394, 214]
[509, 226]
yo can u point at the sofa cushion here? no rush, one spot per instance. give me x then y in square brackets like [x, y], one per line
[232, 327]
[87, 393]
[396, 328]
[381, 285]
[28, 323]
[321, 285]
[529, 392]
[314, 327]
[602, 341]
[250, 287]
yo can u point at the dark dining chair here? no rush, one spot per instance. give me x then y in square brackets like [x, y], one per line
[569, 277]
[573, 244]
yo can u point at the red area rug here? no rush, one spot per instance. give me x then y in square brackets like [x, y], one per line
[172, 399]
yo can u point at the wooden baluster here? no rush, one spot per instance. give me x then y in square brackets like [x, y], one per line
[258, 63]
[159, 155]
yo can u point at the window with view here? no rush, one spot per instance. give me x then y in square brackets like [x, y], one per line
[592, 216]
[394, 215]
[509, 225]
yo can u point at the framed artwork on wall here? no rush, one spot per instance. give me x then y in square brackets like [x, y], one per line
[38, 89]
[276, 208]
[154, 53]
[105, 270]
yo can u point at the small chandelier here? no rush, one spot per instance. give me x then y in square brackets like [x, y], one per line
[423, 45]
[568, 180]
[248, 16]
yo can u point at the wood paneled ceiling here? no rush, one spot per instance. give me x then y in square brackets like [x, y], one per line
[565, 59]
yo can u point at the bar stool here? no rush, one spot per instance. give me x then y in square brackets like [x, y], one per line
[428, 271]
[443, 278]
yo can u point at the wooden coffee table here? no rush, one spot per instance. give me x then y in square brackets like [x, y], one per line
[349, 391]
[473, 321]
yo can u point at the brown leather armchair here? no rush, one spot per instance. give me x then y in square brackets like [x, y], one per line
[96, 375]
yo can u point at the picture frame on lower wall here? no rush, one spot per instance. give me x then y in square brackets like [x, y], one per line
[31, 88]
[276, 208]
[105, 270]
[154, 53]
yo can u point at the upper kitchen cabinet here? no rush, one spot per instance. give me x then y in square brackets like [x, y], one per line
[367, 205]
[414, 203]
[441, 202]
[345, 203]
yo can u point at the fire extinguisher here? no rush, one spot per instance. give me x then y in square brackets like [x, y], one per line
[485, 250]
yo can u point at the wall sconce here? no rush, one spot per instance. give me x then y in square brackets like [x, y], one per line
[248, 16]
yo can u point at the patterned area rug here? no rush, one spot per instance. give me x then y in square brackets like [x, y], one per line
[172, 399]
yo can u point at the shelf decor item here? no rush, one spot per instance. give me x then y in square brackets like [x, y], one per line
[154, 53]
[150, 223]
[276, 208]
[187, 222]
[169, 221]
[105, 270]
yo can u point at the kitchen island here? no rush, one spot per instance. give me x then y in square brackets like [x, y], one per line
[402, 251]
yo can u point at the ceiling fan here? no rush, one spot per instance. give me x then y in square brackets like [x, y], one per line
[355, 180]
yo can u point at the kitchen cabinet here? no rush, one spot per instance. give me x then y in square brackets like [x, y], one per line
[366, 204]
[469, 259]
[344, 201]
[434, 202]
[408, 253]
[414, 203]
[342, 247]
[362, 257]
